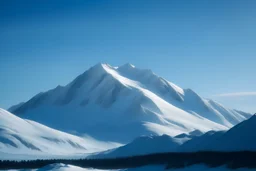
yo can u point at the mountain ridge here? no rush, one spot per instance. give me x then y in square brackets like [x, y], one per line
[129, 99]
[237, 138]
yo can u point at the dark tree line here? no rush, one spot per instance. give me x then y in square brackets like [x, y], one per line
[232, 160]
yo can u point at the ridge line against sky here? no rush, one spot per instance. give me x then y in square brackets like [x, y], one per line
[208, 46]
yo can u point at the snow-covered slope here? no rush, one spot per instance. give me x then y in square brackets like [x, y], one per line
[65, 167]
[24, 137]
[143, 145]
[62, 167]
[148, 145]
[122, 103]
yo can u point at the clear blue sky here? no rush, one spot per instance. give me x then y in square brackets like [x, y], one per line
[206, 45]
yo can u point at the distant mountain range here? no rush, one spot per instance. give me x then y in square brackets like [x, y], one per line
[239, 138]
[122, 103]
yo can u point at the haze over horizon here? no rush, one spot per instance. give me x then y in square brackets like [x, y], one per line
[206, 46]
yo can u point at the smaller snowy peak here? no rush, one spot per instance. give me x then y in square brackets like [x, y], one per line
[196, 133]
[126, 66]
[183, 135]
[132, 72]
[192, 134]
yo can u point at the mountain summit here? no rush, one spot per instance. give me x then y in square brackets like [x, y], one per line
[121, 103]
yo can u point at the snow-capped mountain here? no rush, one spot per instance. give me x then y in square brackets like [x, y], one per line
[122, 103]
[24, 137]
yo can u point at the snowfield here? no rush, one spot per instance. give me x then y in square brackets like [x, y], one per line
[121, 103]
[64, 167]
[25, 139]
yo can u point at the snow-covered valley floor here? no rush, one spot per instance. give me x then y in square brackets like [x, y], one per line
[64, 167]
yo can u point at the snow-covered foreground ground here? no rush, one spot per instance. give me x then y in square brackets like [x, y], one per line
[63, 167]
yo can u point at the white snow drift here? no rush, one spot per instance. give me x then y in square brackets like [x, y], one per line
[65, 167]
[25, 139]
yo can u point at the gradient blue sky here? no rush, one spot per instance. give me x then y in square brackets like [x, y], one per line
[206, 45]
